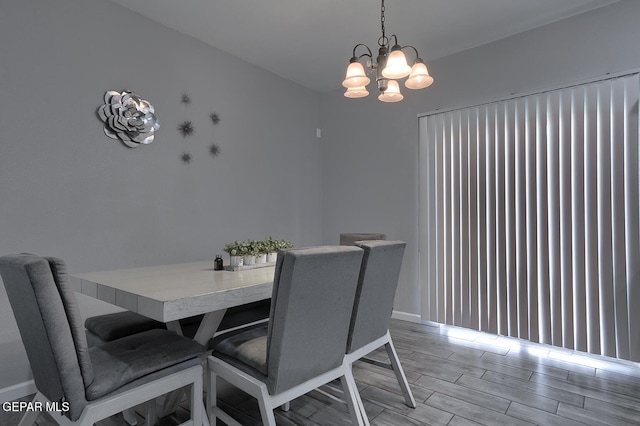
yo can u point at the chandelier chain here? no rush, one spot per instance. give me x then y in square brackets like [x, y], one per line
[382, 19]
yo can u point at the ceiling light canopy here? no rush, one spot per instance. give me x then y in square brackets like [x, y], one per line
[390, 65]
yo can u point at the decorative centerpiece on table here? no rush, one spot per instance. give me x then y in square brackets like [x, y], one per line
[251, 254]
[235, 255]
[271, 248]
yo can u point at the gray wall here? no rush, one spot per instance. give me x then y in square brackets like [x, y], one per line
[67, 190]
[370, 150]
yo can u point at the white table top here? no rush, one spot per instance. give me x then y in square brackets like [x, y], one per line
[172, 292]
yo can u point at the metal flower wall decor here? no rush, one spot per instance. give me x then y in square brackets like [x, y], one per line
[129, 118]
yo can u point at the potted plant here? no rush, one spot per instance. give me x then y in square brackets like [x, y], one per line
[249, 251]
[261, 248]
[271, 247]
[284, 244]
[235, 254]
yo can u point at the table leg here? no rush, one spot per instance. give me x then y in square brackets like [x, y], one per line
[175, 327]
[205, 332]
[130, 417]
[208, 326]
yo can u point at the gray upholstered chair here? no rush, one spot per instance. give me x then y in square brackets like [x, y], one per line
[90, 383]
[349, 239]
[302, 346]
[369, 328]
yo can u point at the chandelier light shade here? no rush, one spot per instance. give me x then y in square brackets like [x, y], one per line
[392, 94]
[419, 77]
[356, 76]
[389, 66]
[397, 66]
[356, 92]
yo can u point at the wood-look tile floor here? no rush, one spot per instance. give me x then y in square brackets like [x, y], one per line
[462, 378]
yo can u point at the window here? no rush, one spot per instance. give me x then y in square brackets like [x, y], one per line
[529, 217]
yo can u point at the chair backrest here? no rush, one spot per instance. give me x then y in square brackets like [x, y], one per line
[349, 239]
[313, 293]
[376, 291]
[49, 322]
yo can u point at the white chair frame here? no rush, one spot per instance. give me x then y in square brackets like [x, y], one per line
[267, 402]
[394, 360]
[108, 406]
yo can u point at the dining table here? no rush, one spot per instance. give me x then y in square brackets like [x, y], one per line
[169, 293]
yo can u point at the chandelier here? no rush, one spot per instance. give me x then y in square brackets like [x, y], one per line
[390, 66]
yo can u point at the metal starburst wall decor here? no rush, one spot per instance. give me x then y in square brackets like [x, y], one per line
[214, 150]
[186, 128]
[186, 158]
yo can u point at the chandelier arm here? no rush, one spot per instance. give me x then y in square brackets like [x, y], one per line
[395, 37]
[369, 54]
[418, 59]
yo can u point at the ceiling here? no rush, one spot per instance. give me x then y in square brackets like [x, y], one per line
[310, 41]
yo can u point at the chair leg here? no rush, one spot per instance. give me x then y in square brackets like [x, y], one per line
[212, 409]
[266, 411]
[197, 412]
[402, 379]
[356, 407]
[212, 401]
[30, 416]
[286, 406]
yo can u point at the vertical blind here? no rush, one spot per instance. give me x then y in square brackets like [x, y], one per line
[530, 217]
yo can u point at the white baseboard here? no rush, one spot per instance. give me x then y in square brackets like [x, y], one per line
[405, 316]
[16, 391]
